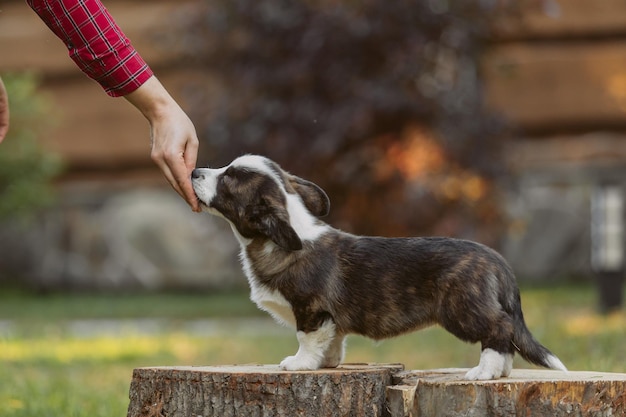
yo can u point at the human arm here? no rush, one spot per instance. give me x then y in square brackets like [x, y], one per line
[174, 140]
[95, 43]
[4, 111]
[101, 50]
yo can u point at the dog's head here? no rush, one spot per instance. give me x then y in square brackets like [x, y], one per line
[261, 200]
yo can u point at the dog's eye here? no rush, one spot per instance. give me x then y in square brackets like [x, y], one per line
[233, 176]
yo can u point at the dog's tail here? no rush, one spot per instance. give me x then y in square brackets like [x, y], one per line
[530, 349]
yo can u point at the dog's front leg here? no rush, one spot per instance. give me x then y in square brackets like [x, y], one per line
[335, 352]
[313, 348]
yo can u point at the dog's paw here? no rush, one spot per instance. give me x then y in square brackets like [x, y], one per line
[492, 365]
[300, 363]
[480, 374]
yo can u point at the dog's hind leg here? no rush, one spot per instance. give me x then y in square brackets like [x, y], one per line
[313, 348]
[475, 314]
[492, 365]
[508, 364]
[496, 358]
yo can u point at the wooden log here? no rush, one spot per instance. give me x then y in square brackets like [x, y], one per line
[564, 19]
[260, 390]
[577, 156]
[550, 86]
[444, 392]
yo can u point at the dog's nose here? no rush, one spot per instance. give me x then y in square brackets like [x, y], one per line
[195, 174]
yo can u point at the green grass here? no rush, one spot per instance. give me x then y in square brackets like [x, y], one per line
[49, 368]
[23, 306]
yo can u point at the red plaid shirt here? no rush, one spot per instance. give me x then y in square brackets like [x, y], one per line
[95, 43]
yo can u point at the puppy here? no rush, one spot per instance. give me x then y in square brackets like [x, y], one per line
[327, 283]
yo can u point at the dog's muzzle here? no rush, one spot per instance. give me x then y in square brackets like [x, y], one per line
[197, 175]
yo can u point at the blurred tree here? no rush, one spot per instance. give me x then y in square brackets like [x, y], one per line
[379, 102]
[26, 170]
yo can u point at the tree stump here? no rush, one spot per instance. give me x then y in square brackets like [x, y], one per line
[439, 393]
[260, 390]
[370, 390]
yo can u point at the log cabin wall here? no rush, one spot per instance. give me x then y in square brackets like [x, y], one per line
[558, 74]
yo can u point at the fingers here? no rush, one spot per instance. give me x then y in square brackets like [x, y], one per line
[190, 158]
[183, 178]
[4, 129]
[178, 173]
[4, 111]
[191, 154]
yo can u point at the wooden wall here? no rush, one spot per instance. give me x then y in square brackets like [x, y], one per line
[95, 133]
[557, 73]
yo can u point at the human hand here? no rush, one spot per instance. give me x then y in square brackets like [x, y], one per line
[173, 136]
[175, 151]
[4, 111]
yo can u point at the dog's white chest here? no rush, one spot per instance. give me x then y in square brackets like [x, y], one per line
[267, 299]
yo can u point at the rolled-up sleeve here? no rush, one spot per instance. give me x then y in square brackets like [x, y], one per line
[95, 43]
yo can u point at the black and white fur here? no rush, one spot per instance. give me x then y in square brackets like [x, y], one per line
[327, 283]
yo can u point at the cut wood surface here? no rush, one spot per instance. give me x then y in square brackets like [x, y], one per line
[444, 392]
[260, 390]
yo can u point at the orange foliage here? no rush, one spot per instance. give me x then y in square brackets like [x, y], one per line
[419, 157]
[417, 154]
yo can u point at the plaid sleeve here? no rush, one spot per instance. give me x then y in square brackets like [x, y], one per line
[95, 43]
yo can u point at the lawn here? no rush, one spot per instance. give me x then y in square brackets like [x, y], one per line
[73, 355]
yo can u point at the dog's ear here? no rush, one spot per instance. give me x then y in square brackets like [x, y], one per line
[272, 221]
[312, 195]
[281, 233]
